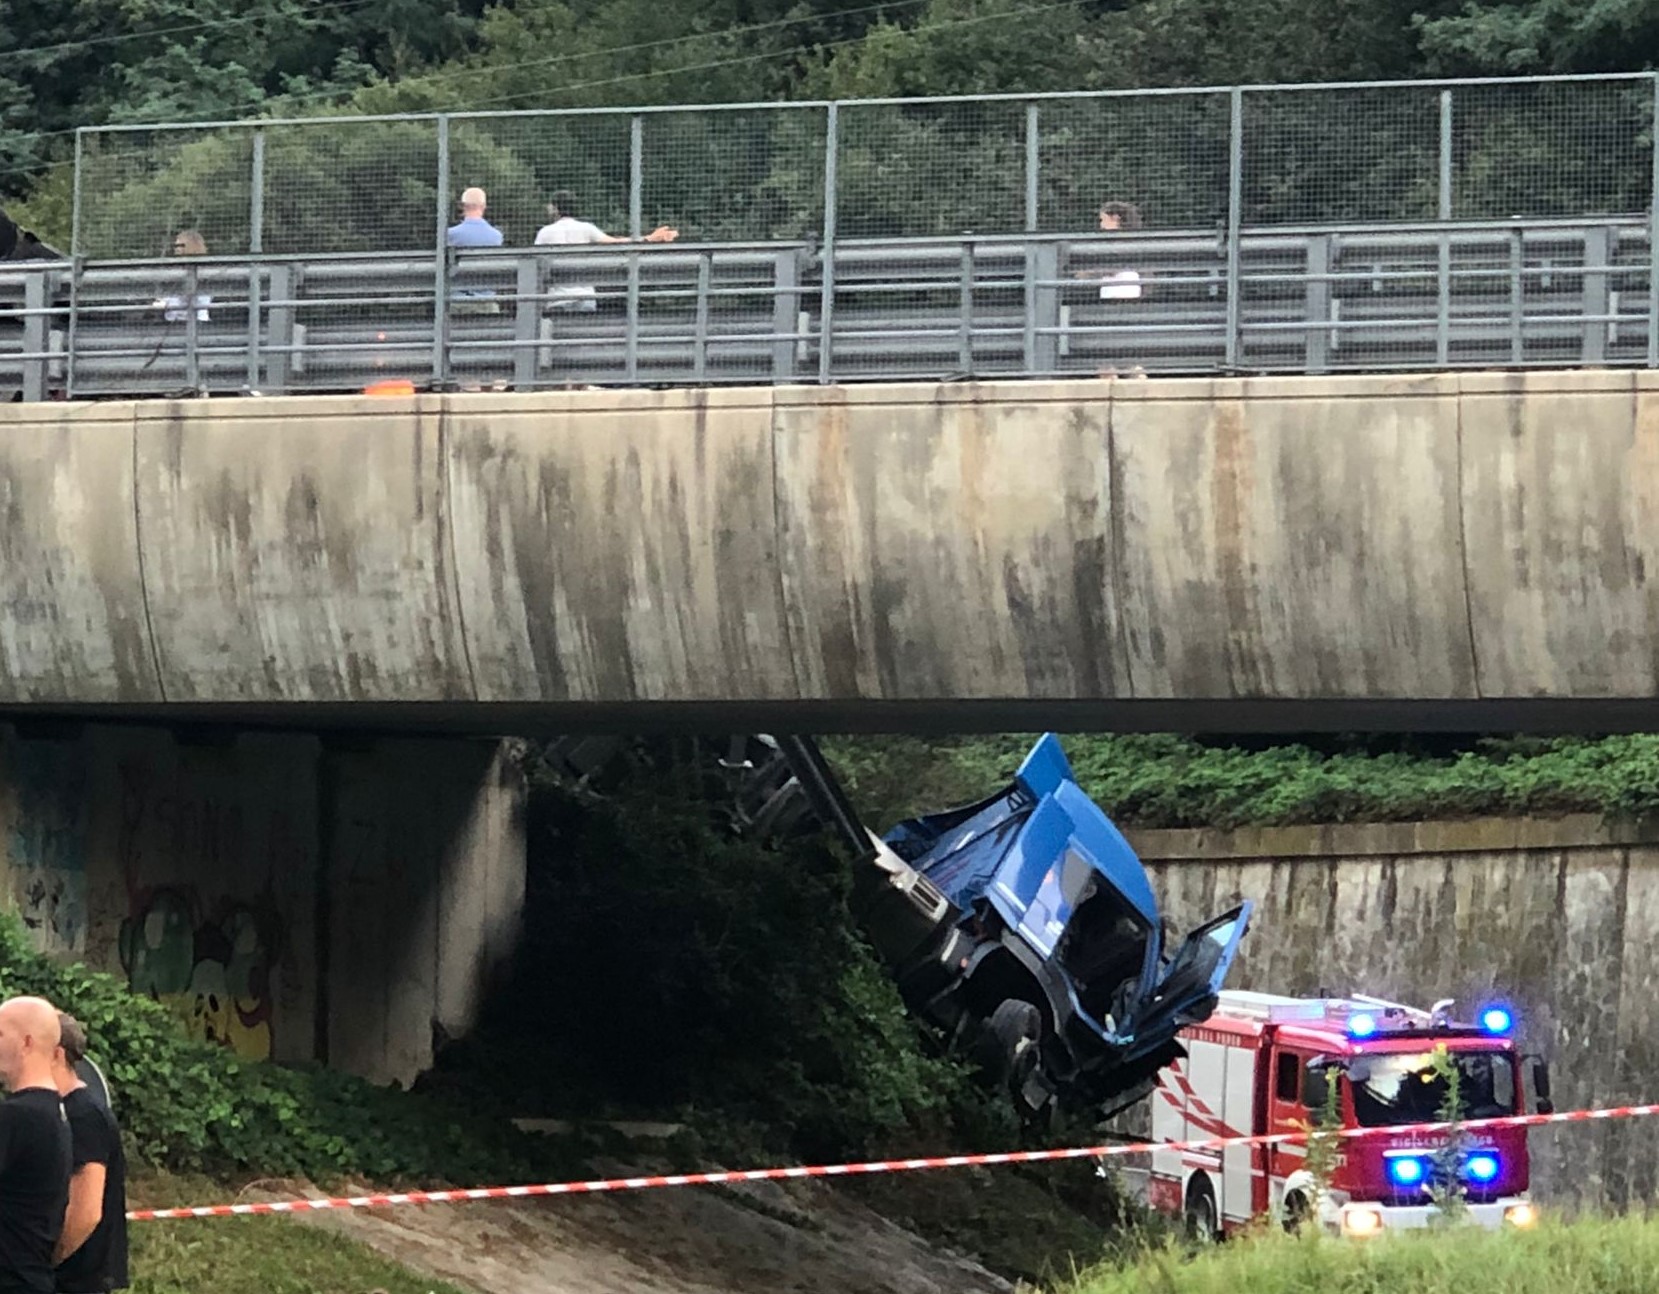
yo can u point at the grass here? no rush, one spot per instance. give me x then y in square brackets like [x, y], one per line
[262, 1256]
[250, 1255]
[1588, 1256]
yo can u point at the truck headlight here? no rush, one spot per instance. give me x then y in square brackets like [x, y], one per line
[1521, 1215]
[1362, 1221]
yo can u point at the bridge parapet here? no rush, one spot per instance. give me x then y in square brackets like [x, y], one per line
[1442, 538]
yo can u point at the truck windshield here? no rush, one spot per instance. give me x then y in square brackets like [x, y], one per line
[1406, 1088]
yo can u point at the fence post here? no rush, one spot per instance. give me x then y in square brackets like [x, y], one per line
[440, 277]
[1235, 203]
[75, 198]
[1446, 154]
[1652, 240]
[636, 176]
[826, 295]
[1443, 280]
[636, 225]
[256, 245]
[1033, 160]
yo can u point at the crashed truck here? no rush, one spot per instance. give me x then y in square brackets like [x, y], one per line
[1023, 926]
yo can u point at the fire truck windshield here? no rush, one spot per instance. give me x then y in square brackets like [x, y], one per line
[1406, 1089]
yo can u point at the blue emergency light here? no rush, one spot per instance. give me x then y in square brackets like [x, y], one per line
[1406, 1170]
[1482, 1167]
[1362, 1025]
[1497, 1020]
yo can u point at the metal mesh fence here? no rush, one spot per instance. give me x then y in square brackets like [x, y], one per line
[521, 161]
[1552, 148]
[970, 169]
[931, 168]
[365, 186]
[1166, 154]
[740, 175]
[1342, 154]
[138, 189]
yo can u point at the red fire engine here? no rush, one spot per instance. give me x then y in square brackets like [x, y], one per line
[1262, 1064]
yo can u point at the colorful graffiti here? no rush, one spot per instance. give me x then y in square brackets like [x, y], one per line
[46, 844]
[214, 974]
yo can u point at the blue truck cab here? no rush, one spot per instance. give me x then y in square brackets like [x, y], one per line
[1041, 952]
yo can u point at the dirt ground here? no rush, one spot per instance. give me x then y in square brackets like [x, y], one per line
[784, 1238]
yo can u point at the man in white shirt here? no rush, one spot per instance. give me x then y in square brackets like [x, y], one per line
[568, 230]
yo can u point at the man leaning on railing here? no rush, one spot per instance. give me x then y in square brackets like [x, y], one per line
[567, 229]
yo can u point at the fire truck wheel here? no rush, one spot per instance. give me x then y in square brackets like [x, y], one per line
[1007, 1046]
[1298, 1212]
[1203, 1223]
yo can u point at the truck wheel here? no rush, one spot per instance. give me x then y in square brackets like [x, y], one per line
[1006, 1048]
[1298, 1213]
[1200, 1214]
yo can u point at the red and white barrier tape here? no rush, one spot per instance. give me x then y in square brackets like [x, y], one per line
[873, 1166]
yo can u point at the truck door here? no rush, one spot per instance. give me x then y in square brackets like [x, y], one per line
[1285, 1113]
[1189, 983]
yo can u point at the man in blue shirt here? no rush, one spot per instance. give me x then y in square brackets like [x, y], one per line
[474, 231]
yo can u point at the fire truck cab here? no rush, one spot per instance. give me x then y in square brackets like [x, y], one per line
[1261, 1064]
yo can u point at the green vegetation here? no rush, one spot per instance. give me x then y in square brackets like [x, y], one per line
[262, 1256]
[1588, 1256]
[86, 62]
[1175, 781]
[188, 1106]
[724, 983]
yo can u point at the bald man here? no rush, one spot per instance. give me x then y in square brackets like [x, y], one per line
[34, 1147]
[474, 230]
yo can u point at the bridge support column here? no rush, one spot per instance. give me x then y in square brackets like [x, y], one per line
[288, 897]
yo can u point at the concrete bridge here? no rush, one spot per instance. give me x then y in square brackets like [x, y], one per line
[1422, 551]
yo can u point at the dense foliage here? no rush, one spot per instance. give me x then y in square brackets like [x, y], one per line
[671, 967]
[85, 62]
[1163, 780]
[186, 1105]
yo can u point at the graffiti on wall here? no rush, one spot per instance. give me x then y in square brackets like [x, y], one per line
[46, 844]
[209, 956]
[211, 971]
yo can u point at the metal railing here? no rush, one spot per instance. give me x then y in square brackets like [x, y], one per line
[1227, 157]
[1423, 295]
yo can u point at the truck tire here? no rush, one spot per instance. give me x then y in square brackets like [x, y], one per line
[1298, 1213]
[1200, 1214]
[1006, 1048]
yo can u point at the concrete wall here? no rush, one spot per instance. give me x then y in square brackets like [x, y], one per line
[1457, 537]
[288, 900]
[1556, 917]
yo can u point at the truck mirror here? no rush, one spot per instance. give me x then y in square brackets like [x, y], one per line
[1541, 1086]
[1317, 1078]
[1359, 1069]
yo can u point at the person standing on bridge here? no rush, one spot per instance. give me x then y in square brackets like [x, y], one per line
[567, 229]
[34, 1147]
[91, 1252]
[473, 230]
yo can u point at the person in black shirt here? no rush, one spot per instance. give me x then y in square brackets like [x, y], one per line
[91, 1253]
[34, 1147]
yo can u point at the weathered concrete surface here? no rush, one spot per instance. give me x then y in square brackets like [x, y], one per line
[619, 550]
[1556, 917]
[298, 558]
[285, 899]
[1279, 539]
[1561, 508]
[948, 542]
[1453, 539]
[72, 616]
